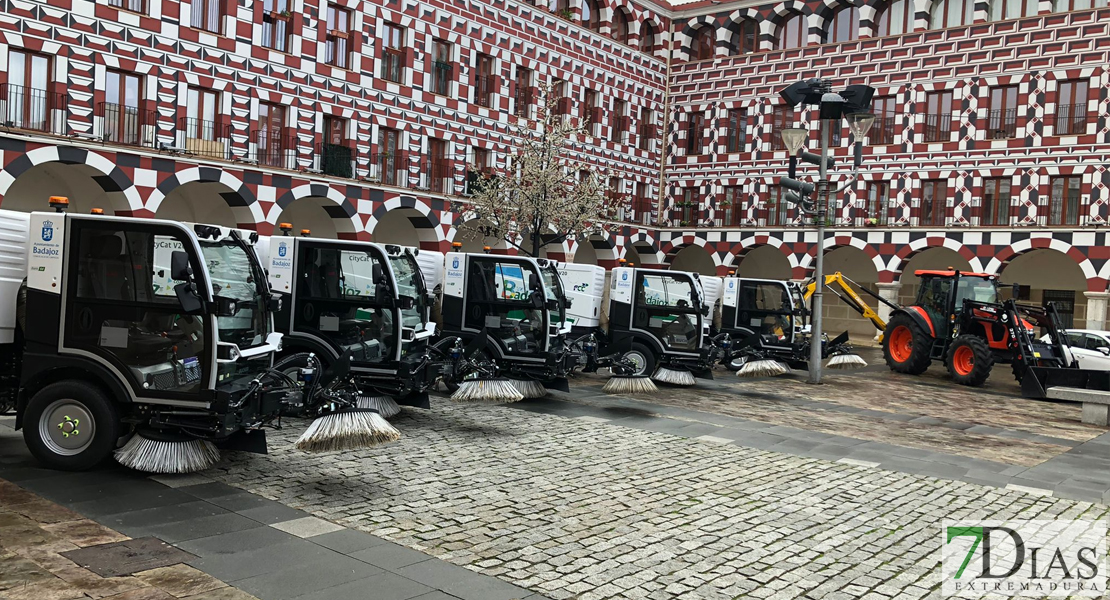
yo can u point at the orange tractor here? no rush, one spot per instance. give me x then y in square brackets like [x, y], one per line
[960, 319]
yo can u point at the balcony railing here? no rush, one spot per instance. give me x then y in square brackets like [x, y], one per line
[524, 98]
[338, 159]
[127, 125]
[441, 78]
[390, 168]
[204, 138]
[138, 6]
[1002, 124]
[32, 109]
[1070, 119]
[436, 174]
[938, 127]
[882, 132]
[484, 87]
[393, 65]
[274, 148]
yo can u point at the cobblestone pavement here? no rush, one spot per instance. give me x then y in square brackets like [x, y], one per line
[574, 508]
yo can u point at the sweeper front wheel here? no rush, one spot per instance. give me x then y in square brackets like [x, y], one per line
[970, 360]
[905, 346]
[71, 426]
[642, 357]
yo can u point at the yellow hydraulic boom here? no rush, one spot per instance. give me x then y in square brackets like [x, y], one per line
[851, 298]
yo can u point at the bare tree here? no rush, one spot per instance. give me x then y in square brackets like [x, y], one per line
[542, 195]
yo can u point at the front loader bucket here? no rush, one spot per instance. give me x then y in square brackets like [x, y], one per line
[1037, 380]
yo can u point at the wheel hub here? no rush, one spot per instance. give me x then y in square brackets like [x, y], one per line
[67, 427]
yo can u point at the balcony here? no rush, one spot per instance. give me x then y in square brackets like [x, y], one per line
[1002, 124]
[338, 159]
[437, 174]
[138, 6]
[525, 96]
[938, 128]
[1070, 119]
[390, 168]
[485, 86]
[882, 132]
[127, 125]
[393, 65]
[33, 109]
[274, 148]
[204, 138]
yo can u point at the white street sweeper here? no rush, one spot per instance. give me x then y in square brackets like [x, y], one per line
[362, 299]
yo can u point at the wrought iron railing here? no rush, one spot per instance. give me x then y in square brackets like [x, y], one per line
[390, 168]
[338, 159]
[882, 131]
[938, 127]
[204, 138]
[33, 109]
[1070, 119]
[126, 125]
[1002, 124]
[436, 174]
[274, 148]
[393, 65]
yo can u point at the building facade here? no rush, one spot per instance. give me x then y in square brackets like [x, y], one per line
[362, 119]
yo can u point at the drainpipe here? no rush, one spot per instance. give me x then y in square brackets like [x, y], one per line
[665, 147]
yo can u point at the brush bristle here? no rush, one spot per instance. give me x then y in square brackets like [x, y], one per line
[489, 391]
[629, 385]
[673, 377]
[349, 430]
[156, 456]
[530, 388]
[846, 361]
[384, 405]
[762, 368]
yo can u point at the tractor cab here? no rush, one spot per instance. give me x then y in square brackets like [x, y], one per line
[942, 293]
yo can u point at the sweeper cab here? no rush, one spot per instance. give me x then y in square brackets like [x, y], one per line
[364, 300]
[117, 326]
[654, 321]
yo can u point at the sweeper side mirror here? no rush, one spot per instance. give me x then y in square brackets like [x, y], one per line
[377, 274]
[186, 291]
[406, 302]
[225, 307]
[179, 266]
[273, 303]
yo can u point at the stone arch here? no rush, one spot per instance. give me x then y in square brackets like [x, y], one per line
[733, 26]
[824, 16]
[472, 240]
[235, 194]
[898, 262]
[49, 167]
[344, 219]
[1006, 255]
[597, 249]
[685, 37]
[1044, 270]
[692, 260]
[766, 260]
[806, 264]
[407, 221]
[641, 249]
[851, 260]
[771, 25]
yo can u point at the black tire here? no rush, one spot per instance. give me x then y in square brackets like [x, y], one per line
[912, 356]
[75, 408]
[641, 353]
[970, 360]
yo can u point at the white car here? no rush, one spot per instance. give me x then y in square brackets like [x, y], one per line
[1090, 347]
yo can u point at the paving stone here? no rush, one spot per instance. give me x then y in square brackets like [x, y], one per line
[306, 527]
[390, 556]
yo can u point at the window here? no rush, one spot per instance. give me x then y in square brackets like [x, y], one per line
[951, 13]
[882, 132]
[123, 120]
[591, 16]
[1071, 108]
[688, 204]
[1012, 9]
[938, 116]
[695, 133]
[138, 6]
[393, 54]
[667, 306]
[499, 290]
[737, 124]
[618, 121]
[702, 45]
[337, 49]
[585, 110]
[745, 39]
[844, 26]
[1063, 200]
[1069, 5]
[438, 169]
[337, 153]
[558, 98]
[206, 15]
[647, 128]
[485, 81]
[477, 168]
[29, 100]
[792, 32]
[523, 92]
[895, 19]
[392, 166]
[1064, 300]
[781, 118]
[934, 201]
[620, 26]
[641, 204]
[272, 143]
[277, 25]
[200, 124]
[878, 198]
[732, 209]
[441, 68]
[647, 38]
[778, 210]
[1003, 112]
[995, 207]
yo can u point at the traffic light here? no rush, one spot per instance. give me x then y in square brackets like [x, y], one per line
[801, 187]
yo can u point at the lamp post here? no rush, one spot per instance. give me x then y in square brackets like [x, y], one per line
[832, 109]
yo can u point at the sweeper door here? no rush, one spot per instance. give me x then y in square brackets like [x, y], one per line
[505, 296]
[761, 307]
[667, 307]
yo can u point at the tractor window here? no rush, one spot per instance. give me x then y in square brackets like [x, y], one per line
[499, 299]
[122, 308]
[976, 289]
[666, 305]
[339, 299]
[933, 297]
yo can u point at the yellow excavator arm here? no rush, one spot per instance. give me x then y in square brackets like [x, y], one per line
[850, 297]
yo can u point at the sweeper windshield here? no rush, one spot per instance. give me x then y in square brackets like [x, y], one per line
[553, 290]
[235, 274]
[410, 283]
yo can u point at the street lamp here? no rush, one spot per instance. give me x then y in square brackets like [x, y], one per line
[860, 124]
[794, 138]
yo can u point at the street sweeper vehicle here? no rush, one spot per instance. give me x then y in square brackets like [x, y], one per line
[502, 328]
[364, 299]
[767, 322]
[653, 326]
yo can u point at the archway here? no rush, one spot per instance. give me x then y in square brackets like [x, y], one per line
[694, 259]
[1045, 274]
[312, 213]
[857, 266]
[472, 239]
[81, 183]
[584, 253]
[764, 262]
[642, 254]
[929, 258]
[404, 227]
[203, 202]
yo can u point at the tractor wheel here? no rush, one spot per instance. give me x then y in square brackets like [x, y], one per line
[905, 346]
[970, 360]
